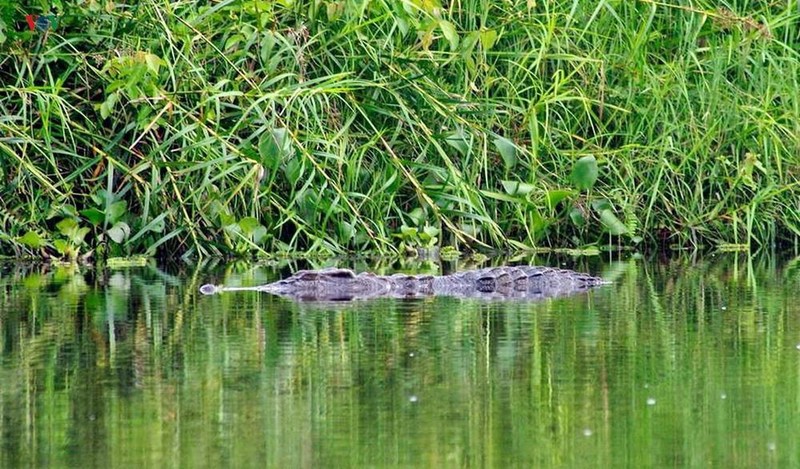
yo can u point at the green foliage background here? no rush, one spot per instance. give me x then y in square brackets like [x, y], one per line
[255, 127]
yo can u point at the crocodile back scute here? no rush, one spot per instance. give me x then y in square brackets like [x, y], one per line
[526, 282]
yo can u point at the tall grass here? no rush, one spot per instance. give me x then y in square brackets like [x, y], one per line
[242, 127]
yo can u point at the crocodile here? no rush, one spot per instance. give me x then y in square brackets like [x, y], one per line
[335, 284]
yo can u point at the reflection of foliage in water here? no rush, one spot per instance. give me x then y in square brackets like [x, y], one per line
[133, 367]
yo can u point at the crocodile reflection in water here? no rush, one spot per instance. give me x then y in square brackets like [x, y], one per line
[334, 284]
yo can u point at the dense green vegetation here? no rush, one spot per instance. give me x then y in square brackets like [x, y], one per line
[242, 127]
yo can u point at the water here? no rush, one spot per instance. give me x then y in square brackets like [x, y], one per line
[679, 364]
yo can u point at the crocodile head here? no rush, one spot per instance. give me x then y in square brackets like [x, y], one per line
[331, 284]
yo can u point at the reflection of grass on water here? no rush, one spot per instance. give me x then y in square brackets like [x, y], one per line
[134, 364]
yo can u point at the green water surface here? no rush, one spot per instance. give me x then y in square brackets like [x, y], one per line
[679, 363]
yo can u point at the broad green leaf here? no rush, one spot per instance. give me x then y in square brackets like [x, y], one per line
[275, 146]
[584, 173]
[334, 10]
[613, 224]
[431, 231]
[103, 197]
[458, 141]
[259, 234]
[66, 225]
[601, 204]
[294, 170]
[402, 25]
[429, 236]
[408, 232]
[425, 38]
[488, 38]
[537, 222]
[268, 149]
[117, 210]
[153, 62]
[284, 141]
[468, 44]
[233, 228]
[94, 216]
[226, 219]
[450, 33]
[69, 210]
[432, 7]
[507, 150]
[267, 45]
[31, 239]
[145, 113]
[417, 216]
[346, 231]
[501, 196]
[248, 225]
[517, 188]
[107, 106]
[61, 246]
[78, 234]
[233, 41]
[157, 225]
[557, 195]
[576, 215]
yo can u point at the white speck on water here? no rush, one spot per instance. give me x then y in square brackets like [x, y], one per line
[413, 398]
[587, 432]
[411, 354]
[723, 396]
[651, 401]
[798, 347]
[724, 308]
[771, 446]
[646, 386]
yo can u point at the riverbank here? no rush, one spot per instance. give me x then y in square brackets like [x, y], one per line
[325, 128]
